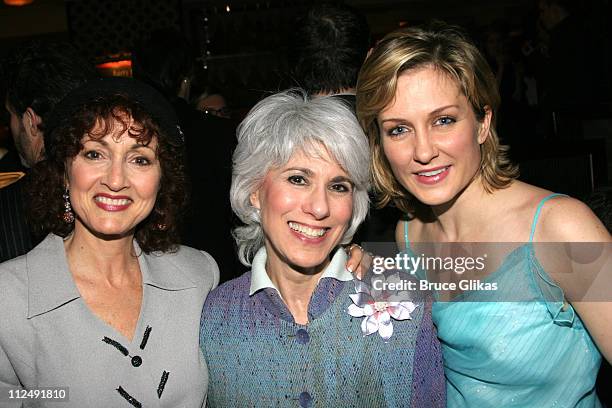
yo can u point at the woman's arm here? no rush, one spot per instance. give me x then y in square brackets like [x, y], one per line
[582, 265]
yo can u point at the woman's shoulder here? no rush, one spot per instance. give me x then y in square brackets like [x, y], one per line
[554, 217]
[13, 266]
[13, 289]
[197, 264]
[560, 218]
[229, 294]
[516, 207]
[232, 289]
[14, 271]
[13, 277]
[528, 212]
[566, 219]
[188, 255]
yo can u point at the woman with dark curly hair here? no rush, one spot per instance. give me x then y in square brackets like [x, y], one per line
[108, 304]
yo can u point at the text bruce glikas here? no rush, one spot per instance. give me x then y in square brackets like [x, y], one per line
[411, 264]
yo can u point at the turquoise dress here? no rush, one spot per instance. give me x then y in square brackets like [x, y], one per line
[532, 353]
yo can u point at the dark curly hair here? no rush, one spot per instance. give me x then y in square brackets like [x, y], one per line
[160, 230]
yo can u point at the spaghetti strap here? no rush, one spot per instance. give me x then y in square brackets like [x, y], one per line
[537, 213]
[406, 235]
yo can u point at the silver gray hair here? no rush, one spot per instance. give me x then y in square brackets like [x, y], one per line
[272, 132]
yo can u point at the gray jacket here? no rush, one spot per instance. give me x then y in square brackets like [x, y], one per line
[50, 338]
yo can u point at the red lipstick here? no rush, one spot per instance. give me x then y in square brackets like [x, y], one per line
[112, 203]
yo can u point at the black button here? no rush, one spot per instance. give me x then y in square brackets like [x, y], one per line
[302, 336]
[136, 361]
[305, 399]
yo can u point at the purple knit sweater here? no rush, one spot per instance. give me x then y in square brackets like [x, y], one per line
[258, 356]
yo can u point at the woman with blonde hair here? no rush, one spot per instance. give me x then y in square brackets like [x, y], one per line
[427, 100]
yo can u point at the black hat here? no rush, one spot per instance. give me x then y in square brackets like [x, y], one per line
[152, 102]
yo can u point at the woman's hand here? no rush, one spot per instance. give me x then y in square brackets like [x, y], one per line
[359, 260]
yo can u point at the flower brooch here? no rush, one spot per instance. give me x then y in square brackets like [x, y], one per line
[377, 305]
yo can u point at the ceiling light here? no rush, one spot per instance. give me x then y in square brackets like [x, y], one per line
[17, 2]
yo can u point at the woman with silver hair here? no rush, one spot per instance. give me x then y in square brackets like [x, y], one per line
[300, 181]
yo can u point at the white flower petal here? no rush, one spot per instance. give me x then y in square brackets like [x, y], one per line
[384, 317]
[369, 325]
[369, 309]
[361, 287]
[361, 299]
[398, 312]
[355, 311]
[379, 307]
[385, 330]
[409, 306]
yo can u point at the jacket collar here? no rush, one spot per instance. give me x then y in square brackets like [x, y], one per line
[261, 280]
[50, 284]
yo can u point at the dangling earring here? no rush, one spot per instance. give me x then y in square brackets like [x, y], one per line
[161, 225]
[68, 215]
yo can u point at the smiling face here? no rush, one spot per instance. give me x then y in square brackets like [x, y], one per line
[431, 137]
[306, 207]
[113, 183]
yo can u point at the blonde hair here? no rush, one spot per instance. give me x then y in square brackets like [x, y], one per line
[446, 49]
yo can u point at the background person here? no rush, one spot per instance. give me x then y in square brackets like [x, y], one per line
[38, 75]
[164, 60]
[328, 47]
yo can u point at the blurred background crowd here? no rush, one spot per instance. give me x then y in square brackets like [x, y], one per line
[214, 60]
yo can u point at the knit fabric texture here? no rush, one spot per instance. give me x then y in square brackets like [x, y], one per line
[258, 356]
